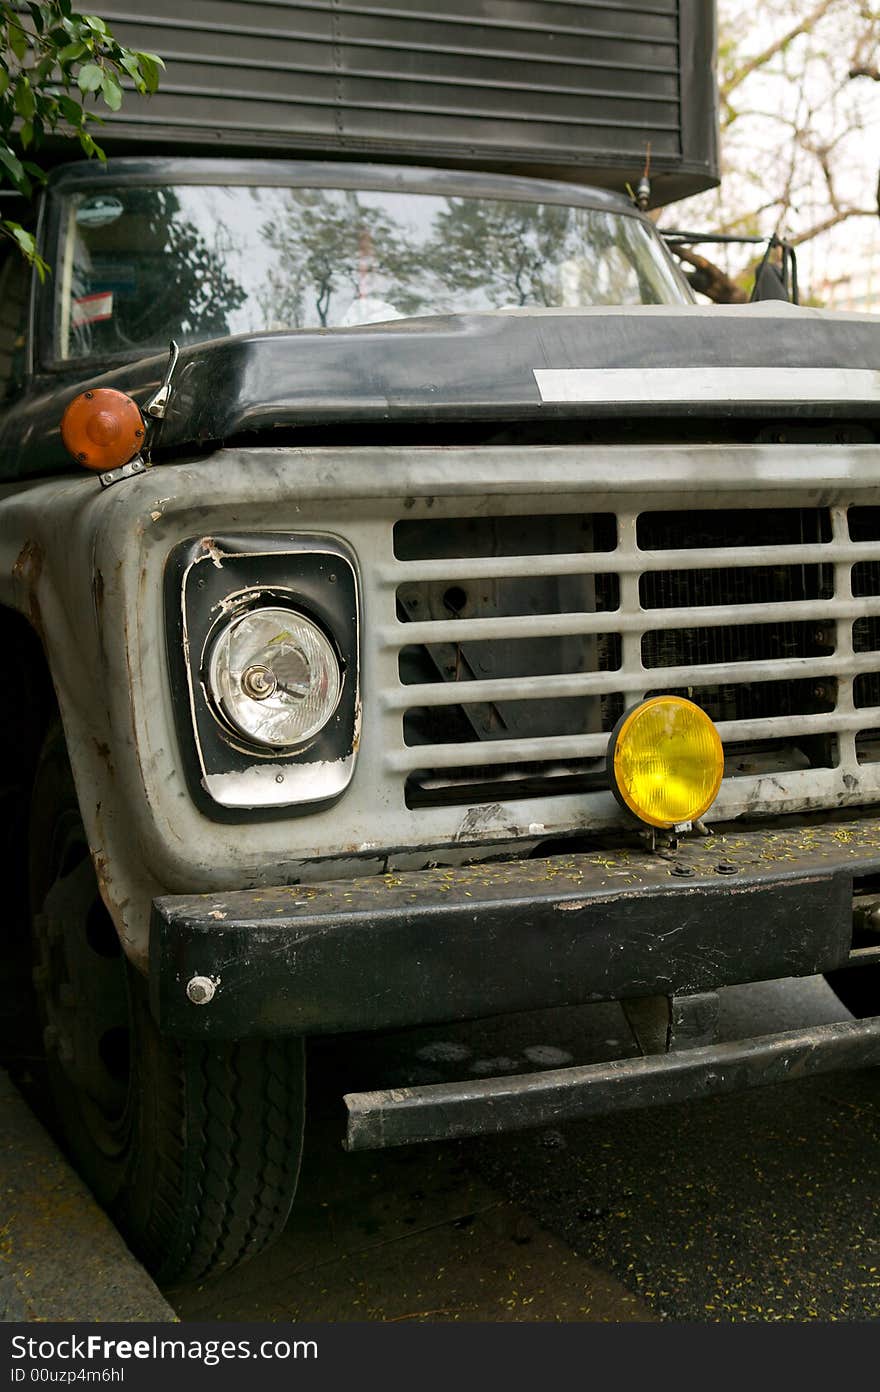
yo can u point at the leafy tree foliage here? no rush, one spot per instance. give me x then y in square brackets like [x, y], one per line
[55, 62]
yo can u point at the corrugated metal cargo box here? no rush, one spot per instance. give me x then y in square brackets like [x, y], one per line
[560, 88]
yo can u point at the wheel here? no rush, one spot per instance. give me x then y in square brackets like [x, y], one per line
[858, 988]
[192, 1148]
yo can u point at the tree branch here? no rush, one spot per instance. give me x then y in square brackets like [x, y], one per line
[709, 279]
[777, 46]
[827, 223]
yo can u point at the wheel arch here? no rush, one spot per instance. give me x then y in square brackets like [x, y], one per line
[27, 697]
[30, 702]
[27, 708]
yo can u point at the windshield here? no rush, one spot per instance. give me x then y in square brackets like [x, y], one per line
[141, 265]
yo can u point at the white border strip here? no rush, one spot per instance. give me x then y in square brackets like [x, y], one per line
[692, 384]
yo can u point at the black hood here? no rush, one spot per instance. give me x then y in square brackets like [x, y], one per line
[667, 361]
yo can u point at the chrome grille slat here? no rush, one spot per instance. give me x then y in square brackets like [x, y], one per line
[594, 746]
[622, 562]
[616, 621]
[592, 684]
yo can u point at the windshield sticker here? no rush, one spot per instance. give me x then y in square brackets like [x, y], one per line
[99, 211]
[91, 309]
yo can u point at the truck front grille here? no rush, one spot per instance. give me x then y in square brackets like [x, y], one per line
[522, 639]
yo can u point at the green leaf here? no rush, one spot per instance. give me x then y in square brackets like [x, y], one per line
[24, 99]
[90, 146]
[130, 65]
[150, 65]
[71, 52]
[25, 239]
[36, 15]
[71, 110]
[26, 245]
[18, 40]
[97, 24]
[90, 77]
[13, 167]
[26, 134]
[4, 80]
[112, 92]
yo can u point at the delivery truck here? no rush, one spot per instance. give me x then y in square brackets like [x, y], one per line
[414, 606]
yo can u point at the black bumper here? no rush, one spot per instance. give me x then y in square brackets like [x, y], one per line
[454, 944]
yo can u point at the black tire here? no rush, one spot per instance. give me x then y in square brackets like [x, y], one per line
[193, 1149]
[858, 988]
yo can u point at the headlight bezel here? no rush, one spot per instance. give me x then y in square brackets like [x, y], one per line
[210, 581]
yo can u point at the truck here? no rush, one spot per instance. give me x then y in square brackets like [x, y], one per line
[414, 606]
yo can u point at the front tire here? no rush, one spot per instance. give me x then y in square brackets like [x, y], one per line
[192, 1148]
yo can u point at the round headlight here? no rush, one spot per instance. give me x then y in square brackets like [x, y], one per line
[666, 761]
[274, 676]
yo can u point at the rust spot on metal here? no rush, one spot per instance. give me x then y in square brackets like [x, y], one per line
[116, 908]
[103, 752]
[143, 578]
[210, 548]
[29, 563]
[26, 572]
[103, 876]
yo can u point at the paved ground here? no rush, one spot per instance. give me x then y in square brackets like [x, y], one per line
[760, 1207]
[60, 1256]
[410, 1235]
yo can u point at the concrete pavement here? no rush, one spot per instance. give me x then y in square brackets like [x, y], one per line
[60, 1256]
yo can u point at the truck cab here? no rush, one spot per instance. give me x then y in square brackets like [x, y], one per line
[417, 609]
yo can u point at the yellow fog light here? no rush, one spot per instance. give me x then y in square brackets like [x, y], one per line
[665, 761]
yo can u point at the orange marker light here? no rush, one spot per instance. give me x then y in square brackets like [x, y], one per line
[102, 429]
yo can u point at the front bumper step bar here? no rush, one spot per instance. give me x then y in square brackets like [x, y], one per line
[445, 1111]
